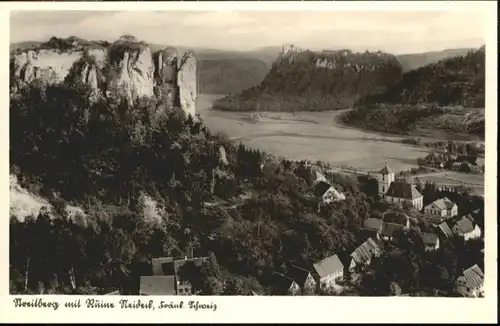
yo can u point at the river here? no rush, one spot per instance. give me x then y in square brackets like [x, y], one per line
[317, 136]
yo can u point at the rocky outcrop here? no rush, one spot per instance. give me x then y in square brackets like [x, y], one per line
[166, 87]
[186, 79]
[126, 68]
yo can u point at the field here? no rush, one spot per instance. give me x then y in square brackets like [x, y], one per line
[317, 136]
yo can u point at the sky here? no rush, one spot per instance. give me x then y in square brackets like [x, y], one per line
[394, 32]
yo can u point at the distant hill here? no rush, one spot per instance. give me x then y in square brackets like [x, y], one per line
[303, 80]
[416, 60]
[226, 76]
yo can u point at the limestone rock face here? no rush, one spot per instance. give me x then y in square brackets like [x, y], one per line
[166, 62]
[50, 65]
[186, 80]
[126, 68]
[135, 74]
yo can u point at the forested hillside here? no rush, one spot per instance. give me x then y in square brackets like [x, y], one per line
[150, 187]
[316, 81]
[452, 90]
[228, 76]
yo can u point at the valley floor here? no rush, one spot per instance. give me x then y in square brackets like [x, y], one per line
[319, 136]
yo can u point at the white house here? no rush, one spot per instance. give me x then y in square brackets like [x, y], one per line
[470, 284]
[431, 241]
[303, 278]
[328, 271]
[466, 229]
[440, 210]
[327, 192]
[365, 252]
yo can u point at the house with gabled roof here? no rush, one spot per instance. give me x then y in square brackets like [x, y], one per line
[390, 229]
[401, 192]
[445, 229]
[327, 192]
[373, 224]
[470, 283]
[363, 254]
[303, 278]
[157, 285]
[284, 285]
[440, 210]
[168, 266]
[466, 228]
[328, 271]
[430, 240]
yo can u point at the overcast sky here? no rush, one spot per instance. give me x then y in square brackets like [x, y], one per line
[395, 32]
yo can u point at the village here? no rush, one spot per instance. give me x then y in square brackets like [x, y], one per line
[333, 274]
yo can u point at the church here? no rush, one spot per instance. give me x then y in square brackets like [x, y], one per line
[398, 191]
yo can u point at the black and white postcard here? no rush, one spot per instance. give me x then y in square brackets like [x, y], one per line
[210, 161]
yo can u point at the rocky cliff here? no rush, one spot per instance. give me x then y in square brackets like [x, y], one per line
[127, 68]
[303, 80]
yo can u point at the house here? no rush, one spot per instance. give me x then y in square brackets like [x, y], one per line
[471, 283]
[440, 210]
[328, 271]
[401, 192]
[373, 224]
[445, 229]
[168, 266]
[327, 192]
[284, 285]
[363, 254]
[157, 285]
[252, 292]
[303, 278]
[397, 218]
[466, 229]
[158, 263]
[315, 175]
[349, 263]
[389, 230]
[431, 241]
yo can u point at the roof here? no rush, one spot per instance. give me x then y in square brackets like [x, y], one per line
[328, 266]
[474, 276]
[172, 267]
[321, 188]
[282, 282]
[164, 263]
[298, 274]
[388, 229]
[396, 218]
[446, 229]
[442, 203]
[430, 239]
[386, 170]
[373, 224]
[365, 251]
[157, 285]
[464, 225]
[400, 189]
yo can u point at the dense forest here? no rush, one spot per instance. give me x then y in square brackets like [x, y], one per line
[317, 81]
[447, 95]
[156, 185]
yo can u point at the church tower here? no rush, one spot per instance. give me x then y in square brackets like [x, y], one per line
[385, 178]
